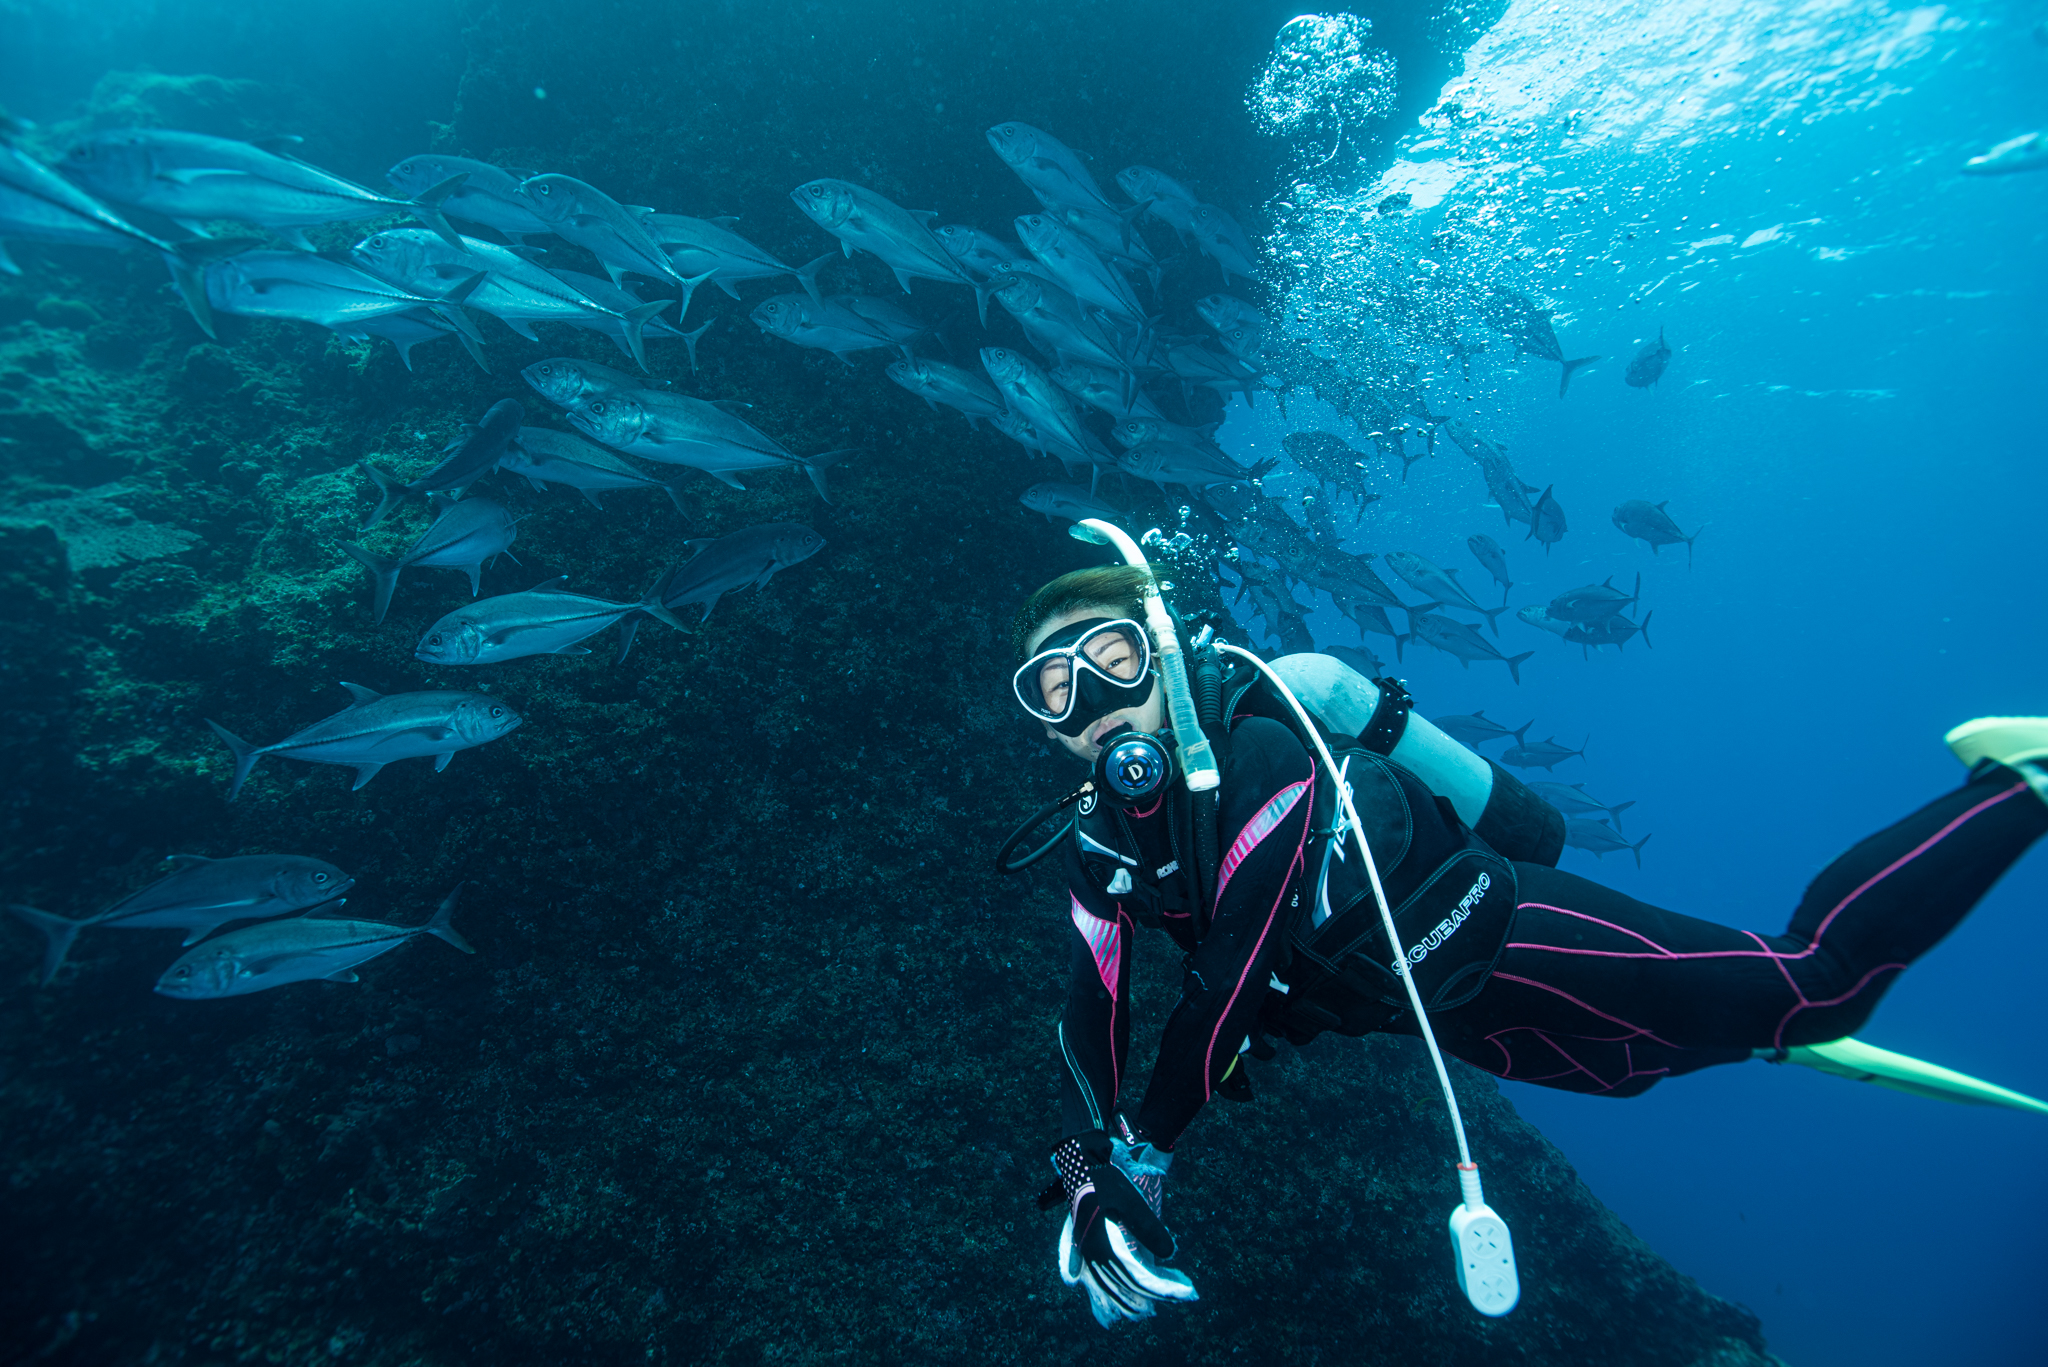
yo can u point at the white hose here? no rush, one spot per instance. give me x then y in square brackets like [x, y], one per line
[1468, 1171]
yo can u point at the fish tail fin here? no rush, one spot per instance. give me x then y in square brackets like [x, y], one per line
[1515, 664]
[1401, 640]
[60, 931]
[443, 922]
[475, 349]
[450, 310]
[389, 493]
[690, 284]
[690, 340]
[1614, 812]
[426, 207]
[1571, 368]
[1637, 850]
[807, 276]
[815, 467]
[384, 571]
[1130, 217]
[1523, 730]
[981, 296]
[245, 754]
[651, 603]
[637, 319]
[189, 278]
[1688, 545]
[1492, 616]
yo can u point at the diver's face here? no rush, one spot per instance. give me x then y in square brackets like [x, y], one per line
[1146, 716]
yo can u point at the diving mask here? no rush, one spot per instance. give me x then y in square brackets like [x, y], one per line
[1089, 670]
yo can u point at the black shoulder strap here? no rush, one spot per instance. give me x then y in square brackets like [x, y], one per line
[1389, 718]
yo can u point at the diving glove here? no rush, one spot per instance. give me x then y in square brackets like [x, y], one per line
[1113, 1238]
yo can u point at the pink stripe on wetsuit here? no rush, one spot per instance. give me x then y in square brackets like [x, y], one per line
[1597, 992]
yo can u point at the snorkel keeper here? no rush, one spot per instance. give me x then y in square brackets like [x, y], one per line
[1197, 759]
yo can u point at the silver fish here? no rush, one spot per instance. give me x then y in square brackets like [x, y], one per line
[1210, 369]
[859, 217]
[569, 382]
[885, 318]
[306, 288]
[1164, 198]
[376, 730]
[1029, 391]
[199, 896]
[937, 382]
[546, 620]
[545, 456]
[1219, 237]
[1645, 521]
[38, 205]
[1546, 520]
[192, 178]
[1616, 631]
[513, 289]
[1360, 659]
[1052, 169]
[1439, 585]
[673, 429]
[699, 247]
[1057, 323]
[1573, 800]
[820, 324]
[1540, 754]
[2027, 152]
[1109, 233]
[1165, 463]
[610, 231]
[486, 194]
[746, 558]
[1238, 326]
[1492, 559]
[1112, 391]
[1138, 429]
[464, 460]
[1021, 430]
[1598, 839]
[1593, 602]
[1474, 730]
[1070, 501]
[1541, 619]
[300, 950]
[1458, 639]
[1075, 264]
[465, 537]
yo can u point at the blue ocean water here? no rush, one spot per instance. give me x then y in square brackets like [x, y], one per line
[1850, 411]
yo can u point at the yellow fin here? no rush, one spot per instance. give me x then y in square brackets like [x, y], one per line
[1860, 1062]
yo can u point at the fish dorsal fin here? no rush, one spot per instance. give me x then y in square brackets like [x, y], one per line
[346, 975]
[361, 694]
[923, 216]
[182, 862]
[725, 221]
[699, 543]
[638, 210]
[732, 406]
[1660, 506]
[282, 144]
[560, 581]
[520, 171]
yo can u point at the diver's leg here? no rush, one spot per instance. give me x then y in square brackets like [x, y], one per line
[1598, 992]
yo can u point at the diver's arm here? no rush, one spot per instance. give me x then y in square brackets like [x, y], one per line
[1095, 1029]
[1268, 799]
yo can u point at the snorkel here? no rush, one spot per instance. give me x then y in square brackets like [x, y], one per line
[1197, 759]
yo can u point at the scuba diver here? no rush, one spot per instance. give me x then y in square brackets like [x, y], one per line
[1507, 963]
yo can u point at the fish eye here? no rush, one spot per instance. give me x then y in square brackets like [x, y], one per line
[319, 877]
[185, 972]
[405, 169]
[599, 408]
[497, 711]
[435, 639]
[547, 369]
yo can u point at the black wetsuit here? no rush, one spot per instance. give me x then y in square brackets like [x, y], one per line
[1592, 991]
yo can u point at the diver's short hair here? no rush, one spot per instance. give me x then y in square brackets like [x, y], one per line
[1120, 589]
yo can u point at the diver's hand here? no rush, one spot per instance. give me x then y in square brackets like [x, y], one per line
[1113, 1236]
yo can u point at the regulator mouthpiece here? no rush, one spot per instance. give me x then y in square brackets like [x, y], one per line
[1133, 768]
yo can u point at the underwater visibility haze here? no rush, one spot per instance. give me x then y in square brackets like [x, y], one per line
[514, 521]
